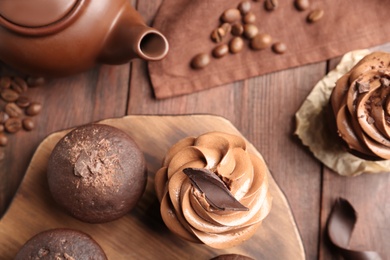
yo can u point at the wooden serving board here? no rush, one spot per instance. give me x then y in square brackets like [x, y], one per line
[141, 234]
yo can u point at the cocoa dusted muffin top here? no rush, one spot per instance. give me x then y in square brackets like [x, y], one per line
[61, 244]
[97, 173]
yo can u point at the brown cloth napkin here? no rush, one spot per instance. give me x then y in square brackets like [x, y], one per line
[187, 24]
[341, 222]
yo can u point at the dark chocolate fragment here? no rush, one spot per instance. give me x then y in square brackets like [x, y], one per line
[215, 190]
[362, 87]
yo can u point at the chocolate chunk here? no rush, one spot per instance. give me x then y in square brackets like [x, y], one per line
[362, 87]
[215, 190]
[385, 82]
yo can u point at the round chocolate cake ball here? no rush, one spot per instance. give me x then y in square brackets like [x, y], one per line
[61, 244]
[97, 173]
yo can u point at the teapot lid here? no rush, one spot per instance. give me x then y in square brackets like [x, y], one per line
[35, 13]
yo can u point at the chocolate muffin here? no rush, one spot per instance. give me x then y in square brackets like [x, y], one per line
[97, 173]
[61, 244]
[360, 108]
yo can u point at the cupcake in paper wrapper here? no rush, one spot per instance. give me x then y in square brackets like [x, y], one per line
[352, 99]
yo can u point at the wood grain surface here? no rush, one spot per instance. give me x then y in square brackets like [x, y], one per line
[261, 108]
[142, 234]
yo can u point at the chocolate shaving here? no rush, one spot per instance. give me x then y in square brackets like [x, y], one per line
[341, 222]
[362, 87]
[214, 189]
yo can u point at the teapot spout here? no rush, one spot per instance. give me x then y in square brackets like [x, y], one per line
[151, 45]
[127, 42]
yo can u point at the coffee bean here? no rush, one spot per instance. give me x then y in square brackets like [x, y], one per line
[5, 82]
[250, 31]
[237, 29]
[227, 27]
[279, 47]
[3, 140]
[28, 124]
[217, 35]
[9, 95]
[261, 41]
[13, 110]
[271, 5]
[1, 128]
[13, 125]
[19, 85]
[236, 44]
[302, 5]
[249, 18]
[3, 117]
[244, 7]
[33, 109]
[220, 51]
[23, 102]
[200, 61]
[35, 81]
[315, 15]
[231, 15]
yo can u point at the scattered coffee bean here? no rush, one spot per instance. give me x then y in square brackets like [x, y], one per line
[23, 102]
[13, 125]
[244, 7]
[250, 31]
[271, 5]
[231, 15]
[28, 124]
[227, 27]
[13, 110]
[33, 109]
[19, 85]
[200, 61]
[3, 117]
[237, 29]
[1, 128]
[5, 82]
[3, 139]
[217, 35]
[302, 5]
[249, 18]
[221, 50]
[279, 47]
[9, 95]
[35, 81]
[261, 41]
[315, 15]
[236, 44]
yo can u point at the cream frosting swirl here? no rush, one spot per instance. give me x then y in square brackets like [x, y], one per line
[361, 107]
[186, 211]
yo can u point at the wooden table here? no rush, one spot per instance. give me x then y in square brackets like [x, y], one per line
[262, 108]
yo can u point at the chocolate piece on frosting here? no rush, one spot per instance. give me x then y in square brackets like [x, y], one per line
[215, 190]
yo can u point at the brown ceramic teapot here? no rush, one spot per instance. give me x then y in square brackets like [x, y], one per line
[62, 37]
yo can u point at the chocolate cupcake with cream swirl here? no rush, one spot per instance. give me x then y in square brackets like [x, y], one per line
[360, 104]
[212, 190]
